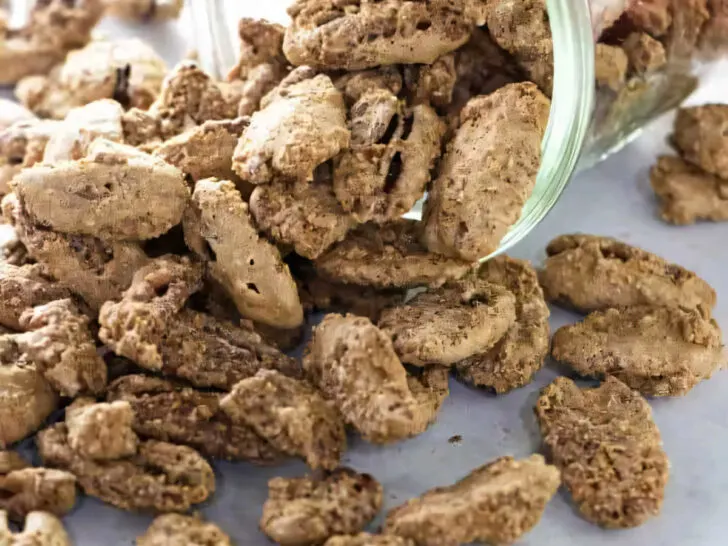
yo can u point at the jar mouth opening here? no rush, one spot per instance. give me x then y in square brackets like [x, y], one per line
[571, 105]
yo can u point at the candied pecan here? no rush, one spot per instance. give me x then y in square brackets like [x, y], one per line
[365, 539]
[168, 411]
[520, 353]
[659, 351]
[294, 133]
[588, 273]
[114, 193]
[22, 288]
[687, 193]
[496, 503]
[291, 415]
[434, 83]
[653, 16]
[354, 84]
[24, 489]
[446, 325]
[206, 150]
[150, 327]
[353, 364]
[95, 270]
[388, 256]
[608, 449]
[487, 173]
[301, 511]
[101, 431]
[261, 43]
[40, 529]
[160, 476]
[392, 153]
[610, 66]
[180, 530]
[701, 136]
[372, 33]
[645, 54]
[218, 228]
[304, 215]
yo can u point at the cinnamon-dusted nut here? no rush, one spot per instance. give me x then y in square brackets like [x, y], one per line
[160, 476]
[218, 227]
[588, 273]
[605, 436]
[487, 173]
[496, 503]
[303, 127]
[115, 193]
[701, 136]
[659, 351]
[446, 325]
[102, 431]
[40, 529]
[291, 415]
[306, 511]
[366, 539]
[365, 33]
[180, 530]
[173, 412]
[388, 256]
[25, 287]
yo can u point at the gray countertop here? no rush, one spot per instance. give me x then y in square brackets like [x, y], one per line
[612, 199]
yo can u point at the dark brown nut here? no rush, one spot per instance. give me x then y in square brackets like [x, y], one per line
[304, 215]
[365, 539]
[307, 511]
[150, 327]
[377, 33]
[11, 112]
[521, 352]
[645, 54]
[162, 477]
[496, 503]
[688, 18]
[102, 431]
[25, 489]
[522, 29]
[218, 227]
[353, 364]
[75, 134]
[128, 71]
[291, 415]
[659, 351]
[26, 398]
[115, 193]
[688, 194]
[54, 28]
[388, 256]
[206, 150]
[23, 288]
[190, 97]
[144, 10]
[714, 36]
[610, 66]
[701, 136]
[95, 270]
[171, 412]
[451, 323]
[284, 339]
[180, 530]
[57, 340]
[487, 173]
[41, 529]
[608, 449]
[300, 129]
[589, 273]
[653, 16]
[392, 153]
[353, 84]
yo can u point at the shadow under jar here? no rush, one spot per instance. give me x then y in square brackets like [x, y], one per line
[617, 65]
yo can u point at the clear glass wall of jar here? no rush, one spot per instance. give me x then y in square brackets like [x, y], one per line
[587, 121]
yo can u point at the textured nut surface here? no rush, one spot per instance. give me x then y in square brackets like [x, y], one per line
[487, 173]
[701, 136]
[388, 256]
[520, 353]
[608, 449]
[496, 503]
[40, 529]
[291, 415]
[446, 325]
[22, 288]
[218, 227]
[180, 530]
[659, 351]
[366, 539]
[588, 272]
[302, 511]
[101, 431]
